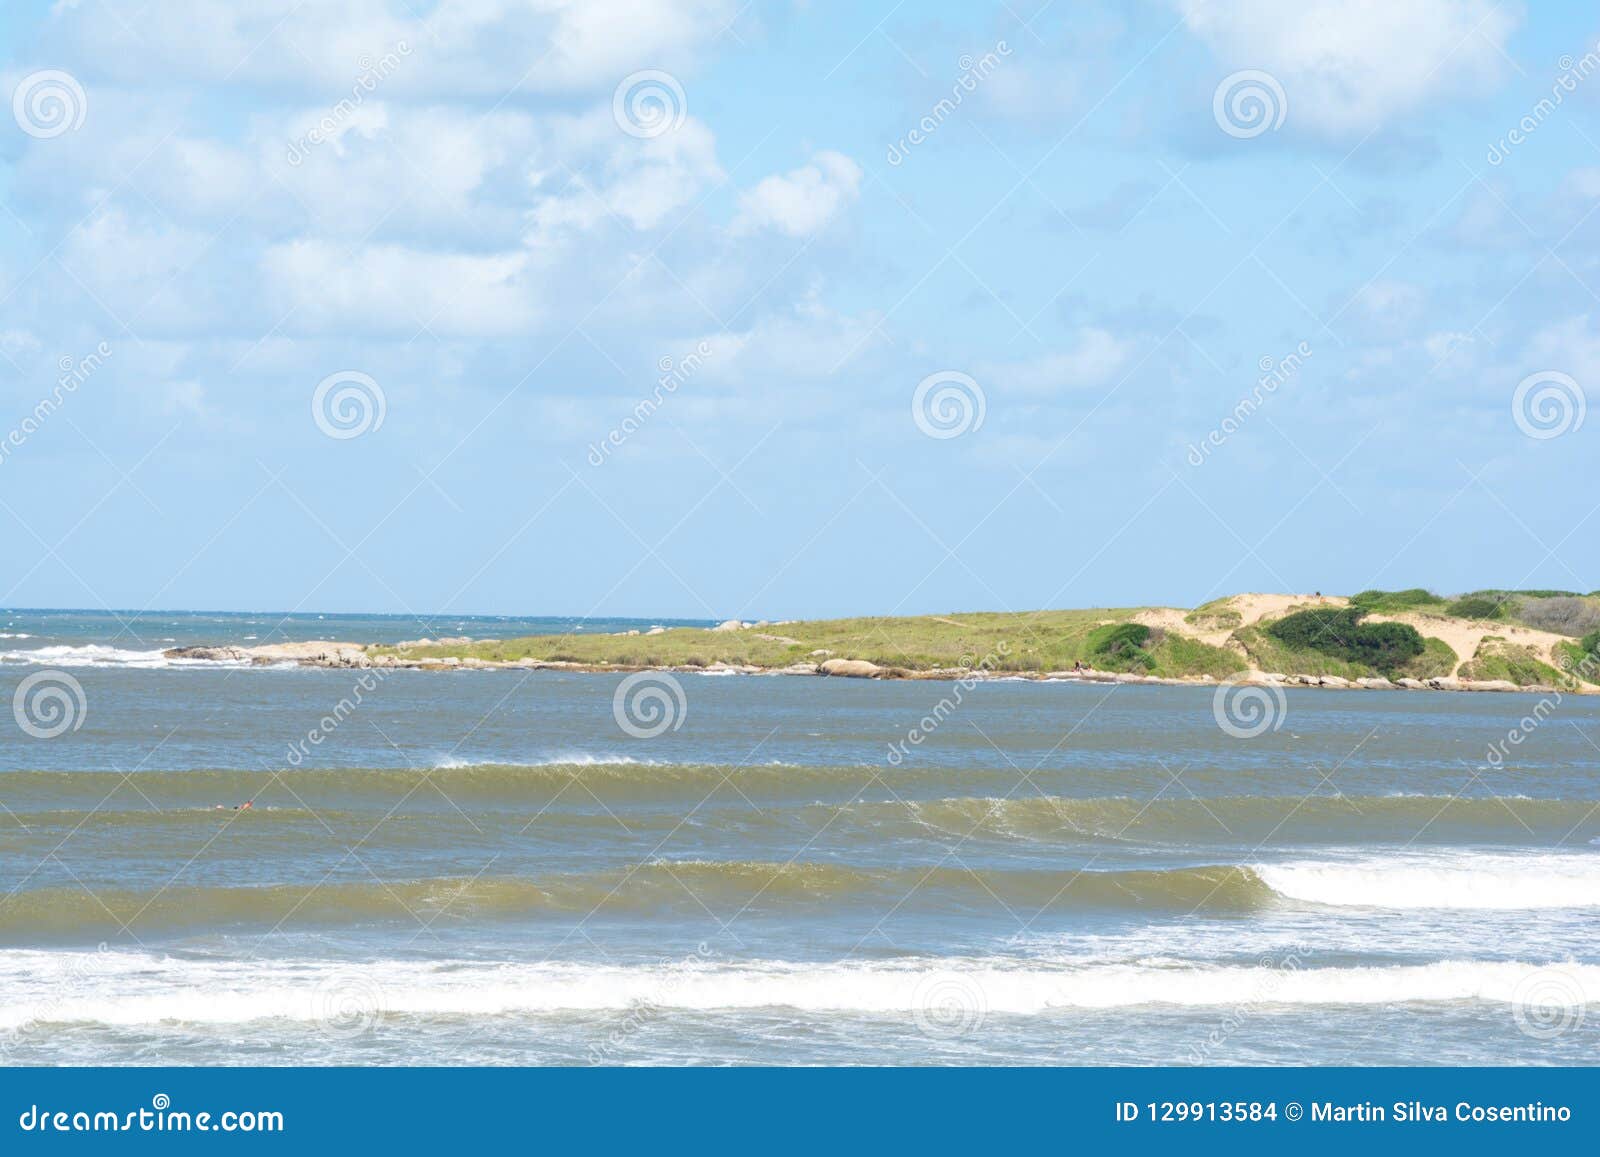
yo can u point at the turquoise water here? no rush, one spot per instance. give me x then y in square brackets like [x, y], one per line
[490, 867]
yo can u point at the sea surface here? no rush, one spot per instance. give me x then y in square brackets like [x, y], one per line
[533, 867]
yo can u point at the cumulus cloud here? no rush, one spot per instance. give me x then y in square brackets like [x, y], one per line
[1350, 66]
[1090, 362]
[393, 289]
[590, 174]
[465, 48]
[810, 342]
[802, 201]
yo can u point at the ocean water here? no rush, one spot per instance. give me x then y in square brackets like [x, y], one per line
[537, 867]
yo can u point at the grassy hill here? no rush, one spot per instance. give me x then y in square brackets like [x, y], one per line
[1530, 638]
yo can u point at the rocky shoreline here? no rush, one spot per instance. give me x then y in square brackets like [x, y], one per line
[358, 656]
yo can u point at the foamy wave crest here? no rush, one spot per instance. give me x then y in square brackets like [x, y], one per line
[140, 988]
[559, 759]
[101, 655]
[1500, 882]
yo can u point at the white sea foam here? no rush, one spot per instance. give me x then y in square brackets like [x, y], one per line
[138, 988]
[1459, 880]
[560, 759]
[101, 655]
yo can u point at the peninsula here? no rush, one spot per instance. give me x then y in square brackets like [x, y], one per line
[1490, 640]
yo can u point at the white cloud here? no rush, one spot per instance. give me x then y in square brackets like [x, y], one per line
[802, 201]
[807, 344]
[1090, 362]
[1571, 346]
[591, 174]
[466, 47]
[1349, 66]
[1388, 306]
[394, 289]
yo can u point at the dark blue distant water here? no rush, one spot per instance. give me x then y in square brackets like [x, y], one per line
[84, 637]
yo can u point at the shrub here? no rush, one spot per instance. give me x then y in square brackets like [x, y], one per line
[1376, 600]
[1475, 607]
[1122, 644]
[1561, 615]
[1119, 640]
[1342, 635]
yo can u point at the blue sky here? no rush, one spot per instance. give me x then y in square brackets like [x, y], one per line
[1097, 254]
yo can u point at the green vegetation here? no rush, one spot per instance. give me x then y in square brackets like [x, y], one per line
[1340, 634]
[1437, 660]
[1308, 640]
[1392, 602]
[1039, 641]
[1217, 615]
[1582, 658]
[1498, 659]
[1121, 644]
[1475, 607]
